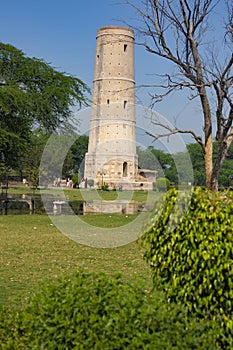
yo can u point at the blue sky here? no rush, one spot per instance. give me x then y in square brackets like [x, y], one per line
[63, 34]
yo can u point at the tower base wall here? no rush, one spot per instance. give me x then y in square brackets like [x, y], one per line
[119, 172]
[110, 167]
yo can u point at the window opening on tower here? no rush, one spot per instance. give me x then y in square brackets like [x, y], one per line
[125, 166]
[125, 47]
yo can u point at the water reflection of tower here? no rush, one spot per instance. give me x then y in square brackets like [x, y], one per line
[112, 139]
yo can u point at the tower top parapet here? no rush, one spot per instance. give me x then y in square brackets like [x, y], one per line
[115, 30]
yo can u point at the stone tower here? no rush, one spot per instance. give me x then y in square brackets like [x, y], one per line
[111, 156]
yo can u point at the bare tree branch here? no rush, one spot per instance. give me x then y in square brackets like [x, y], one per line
[175, 31]
[172, 131]
[177, 131]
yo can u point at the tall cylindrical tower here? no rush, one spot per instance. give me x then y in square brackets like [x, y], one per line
[111, 156]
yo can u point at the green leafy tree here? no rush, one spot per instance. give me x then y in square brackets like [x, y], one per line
[68, 166]
[197, 158]
[146, 159]
[32, 94]
[78, 150]
[29, 161]
[155, 159]
[167, 164]
[184, 167]
[74, 161]
[225, 174]
[198, 163]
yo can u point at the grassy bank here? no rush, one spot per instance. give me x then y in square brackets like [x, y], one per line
[33, 250]
[86, 194]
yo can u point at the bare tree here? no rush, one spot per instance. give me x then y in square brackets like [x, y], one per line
[179, 31]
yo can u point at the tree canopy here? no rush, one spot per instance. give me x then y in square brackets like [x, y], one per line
[173, 166]
[32, 95]
[30, 162]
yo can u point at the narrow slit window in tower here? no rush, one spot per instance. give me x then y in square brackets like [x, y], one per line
[125, 47]
[108, 101]
[125, 104]
[125, 166]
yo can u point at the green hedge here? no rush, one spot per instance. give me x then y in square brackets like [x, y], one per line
[191, 255]
[93, 311]
[162, 184]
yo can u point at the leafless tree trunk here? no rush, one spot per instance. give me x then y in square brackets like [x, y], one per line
[175, 31]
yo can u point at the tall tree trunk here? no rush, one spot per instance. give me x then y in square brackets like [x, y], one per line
[199, 80]
[214, 180]
[209, 161]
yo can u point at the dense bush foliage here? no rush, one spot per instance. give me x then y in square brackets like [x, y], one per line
[191, 255]
[90, 311]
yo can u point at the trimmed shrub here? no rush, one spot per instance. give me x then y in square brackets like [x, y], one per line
[76, 178]
[93, 311]
[103, 186]
[162, 184]
[191, 255]
[90, 183]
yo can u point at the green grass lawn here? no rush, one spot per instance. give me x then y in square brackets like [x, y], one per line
[87, 194]
[32, 250]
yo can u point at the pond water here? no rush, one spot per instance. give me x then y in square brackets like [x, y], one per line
[20, 204]
[24, 204]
